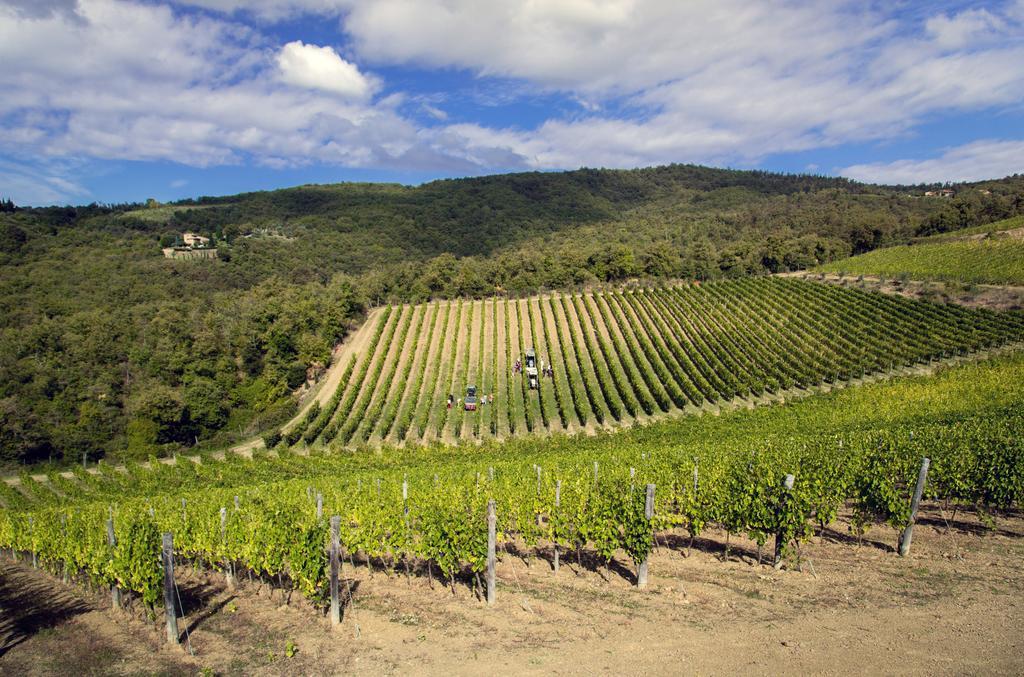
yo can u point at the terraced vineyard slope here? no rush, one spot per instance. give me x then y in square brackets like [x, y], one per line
[613, 358]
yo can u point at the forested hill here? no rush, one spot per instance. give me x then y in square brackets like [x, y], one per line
[107, 346]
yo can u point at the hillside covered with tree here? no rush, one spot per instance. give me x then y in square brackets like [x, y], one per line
[108, 347]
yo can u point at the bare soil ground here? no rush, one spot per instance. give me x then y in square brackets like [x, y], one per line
[1012, 233]
[329, 381]
[952, 607]
[991, 296]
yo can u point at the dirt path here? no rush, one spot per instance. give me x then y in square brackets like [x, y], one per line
[952, 607]
[1009, 233]
[356, 345]
[991, 296]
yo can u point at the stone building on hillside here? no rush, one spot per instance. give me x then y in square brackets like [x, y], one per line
[194, 247]
[194, 241]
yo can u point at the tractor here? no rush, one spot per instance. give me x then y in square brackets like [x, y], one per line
[470, 402]
[531, 369]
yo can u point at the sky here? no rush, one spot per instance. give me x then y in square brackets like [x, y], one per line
[117, 101]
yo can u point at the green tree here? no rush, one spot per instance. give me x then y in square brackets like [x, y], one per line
[207, 403]
[158, 412]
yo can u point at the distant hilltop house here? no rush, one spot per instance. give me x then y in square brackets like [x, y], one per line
[195, 241]
[945, 192]
[192, 246]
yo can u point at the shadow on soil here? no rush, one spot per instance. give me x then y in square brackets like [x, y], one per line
[973, 528]
[833, 536]
[576, 560]
[28, 606]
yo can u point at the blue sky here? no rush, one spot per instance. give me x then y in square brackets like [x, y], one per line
[121, 100]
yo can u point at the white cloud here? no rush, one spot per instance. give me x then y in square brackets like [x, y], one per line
[975, 161]
[709, 80]
[40, 8]
[964, 29]
[121, 80]
[654, 81]
[270, 10]
[38, 185]
[602, 45]
[316, 67]
[434, 111]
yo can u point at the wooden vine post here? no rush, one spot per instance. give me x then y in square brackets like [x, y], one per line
[319, 505]
[115, 592]
[31, 531]
[558, 504]
[335, 567]
[64, 534]
[492, 537]
[405, 504]
[641, 568]
[229, 573]
[540, 517]
[780, 536]
[908, 531]
[167, 554]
